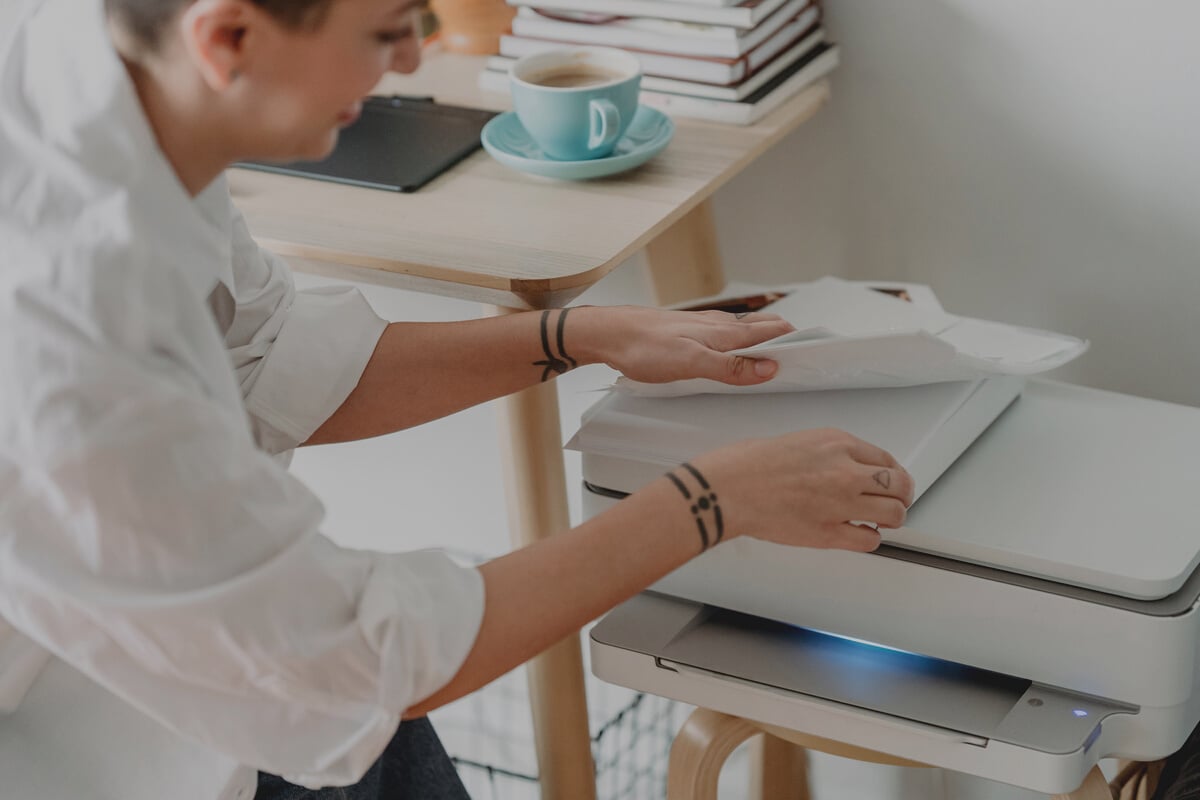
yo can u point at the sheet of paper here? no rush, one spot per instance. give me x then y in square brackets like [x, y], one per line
[852, 337]
[997, 342]
[851, 309]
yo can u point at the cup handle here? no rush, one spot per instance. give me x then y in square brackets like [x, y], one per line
[606, 123]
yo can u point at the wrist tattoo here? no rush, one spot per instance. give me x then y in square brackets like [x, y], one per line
[704, 506]
[553, 364]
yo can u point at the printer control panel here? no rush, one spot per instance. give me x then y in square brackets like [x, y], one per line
[1057, 721]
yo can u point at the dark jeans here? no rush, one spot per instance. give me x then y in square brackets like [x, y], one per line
[413, 767]
[1181, 774]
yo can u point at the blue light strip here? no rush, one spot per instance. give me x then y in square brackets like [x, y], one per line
[866, 643]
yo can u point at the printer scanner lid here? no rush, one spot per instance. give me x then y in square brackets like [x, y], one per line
[1074, 485]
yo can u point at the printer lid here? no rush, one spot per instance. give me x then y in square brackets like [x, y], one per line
[1078, 485]
[1074, 485]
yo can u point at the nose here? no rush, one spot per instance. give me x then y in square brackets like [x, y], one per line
[406, 56]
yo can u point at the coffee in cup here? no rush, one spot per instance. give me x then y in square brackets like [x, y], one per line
[576, 102]
[574, 76]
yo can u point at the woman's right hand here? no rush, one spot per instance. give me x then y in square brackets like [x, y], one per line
[807, 489]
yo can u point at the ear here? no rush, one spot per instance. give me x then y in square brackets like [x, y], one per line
[215, 34]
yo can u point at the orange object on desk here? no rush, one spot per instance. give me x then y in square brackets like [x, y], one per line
[473, 26]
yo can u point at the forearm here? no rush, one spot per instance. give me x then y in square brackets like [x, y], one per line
[538, 595]
[424, 371]
[812, 488]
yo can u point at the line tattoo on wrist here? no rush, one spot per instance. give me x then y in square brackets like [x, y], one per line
[706, 510]
[554, 364]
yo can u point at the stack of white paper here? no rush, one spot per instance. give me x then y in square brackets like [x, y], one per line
[849, 336]
[628, 441]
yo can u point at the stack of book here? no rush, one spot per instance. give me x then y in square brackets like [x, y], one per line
[724, 60]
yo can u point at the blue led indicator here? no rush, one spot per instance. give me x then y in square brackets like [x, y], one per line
[1079, 712]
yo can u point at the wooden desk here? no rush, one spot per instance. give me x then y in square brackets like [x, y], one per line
[513, 241]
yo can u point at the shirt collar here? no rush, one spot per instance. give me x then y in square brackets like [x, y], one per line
[76, 96]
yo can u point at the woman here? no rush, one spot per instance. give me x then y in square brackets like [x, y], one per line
[158, 560]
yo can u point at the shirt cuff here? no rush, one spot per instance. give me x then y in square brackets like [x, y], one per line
[442, 606]
[316, 361]
[422, 612]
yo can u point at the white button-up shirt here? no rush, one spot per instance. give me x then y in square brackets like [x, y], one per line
[153, 365]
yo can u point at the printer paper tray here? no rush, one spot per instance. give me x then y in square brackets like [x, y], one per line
[936, 693]
[901, 725]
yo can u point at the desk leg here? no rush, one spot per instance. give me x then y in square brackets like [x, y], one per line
[1094, 787]
[684, 259]
[531, 439]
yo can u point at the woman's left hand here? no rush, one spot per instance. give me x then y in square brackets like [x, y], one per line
[656, 346]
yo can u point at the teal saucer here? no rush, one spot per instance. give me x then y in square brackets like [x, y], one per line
[508, 142]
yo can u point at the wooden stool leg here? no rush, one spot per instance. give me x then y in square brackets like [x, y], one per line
[1094, 787]
[779, 770]
[537, 506]
[701, 747]
[1136, 780]
[684, 259]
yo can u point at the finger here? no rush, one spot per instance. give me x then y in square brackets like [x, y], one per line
[867, 453]
[888, 482]
[733, 370]
[886, 512]
[758, 316]
[859, 538]
[744, 334]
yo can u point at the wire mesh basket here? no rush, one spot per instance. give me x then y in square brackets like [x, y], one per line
[489, 735]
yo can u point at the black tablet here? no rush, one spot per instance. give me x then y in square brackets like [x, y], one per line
[399, 144]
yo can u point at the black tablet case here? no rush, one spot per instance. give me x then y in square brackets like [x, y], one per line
[398, 144]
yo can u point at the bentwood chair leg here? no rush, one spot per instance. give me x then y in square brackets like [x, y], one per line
[701, 747]
[779, 770]
[1136, 780]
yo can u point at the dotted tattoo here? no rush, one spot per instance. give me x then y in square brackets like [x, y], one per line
[706, 509]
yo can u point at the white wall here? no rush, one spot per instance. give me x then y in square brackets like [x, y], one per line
[1035, 162]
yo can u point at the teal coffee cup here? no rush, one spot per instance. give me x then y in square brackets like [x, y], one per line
[576, 102]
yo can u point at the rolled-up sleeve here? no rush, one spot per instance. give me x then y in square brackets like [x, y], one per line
[298, 355]
[168, 558]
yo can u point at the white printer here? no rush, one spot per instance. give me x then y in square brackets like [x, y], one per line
[1036, 614]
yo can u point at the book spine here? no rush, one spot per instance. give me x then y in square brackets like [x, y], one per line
[666, 38]
[715, 71]
[804, 25]
[737, 16]
[491, 80]
[745, 112]
[679, 105]
[495, 79]
[569, 33]
[760, 77]
[654, 83]
[717, 3]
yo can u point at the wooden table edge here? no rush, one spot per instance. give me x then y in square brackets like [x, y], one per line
[533, 293]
